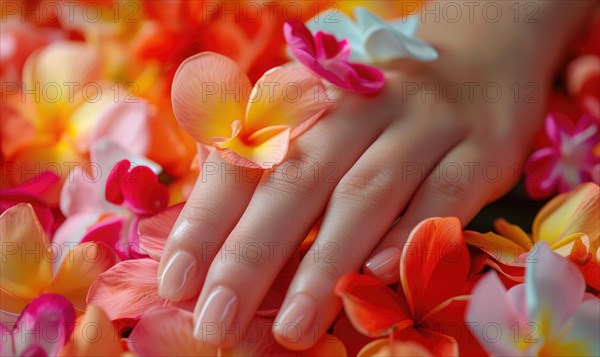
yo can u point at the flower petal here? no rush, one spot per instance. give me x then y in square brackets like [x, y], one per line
[490, 306]
[125, 123]
[208, 95]
[142, 192]
[386, 348]
[435, 342]
[11, 197]
[582, 338]
[26, 259]
[341, 26]
[263, 149]
[569, 213]
[554, 289]
[434, 265]
[167, 331]
[80, 267]
[286, 96]
[374, 309]
[384, 44]
[128, 289]
[44, 326]
[94, 335]
[80, 193]
[155, 230]
[496, 246]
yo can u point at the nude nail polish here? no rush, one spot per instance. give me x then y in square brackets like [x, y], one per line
[385, 265]
[176, 275]
[297, 317]
[217, 316]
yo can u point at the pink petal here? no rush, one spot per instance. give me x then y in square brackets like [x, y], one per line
[45, 325]
[167, 331]
[557, 123]
[107, 231]
[81, 193]
[125, 124]
[555, 287]
[489, 306]
[209, 92]
[42, 184]
[128, 289]
[154, 230]
[584, 327]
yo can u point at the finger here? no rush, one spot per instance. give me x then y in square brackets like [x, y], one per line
[460, 186]
[360, 211]
[218, 199]
[285, 205]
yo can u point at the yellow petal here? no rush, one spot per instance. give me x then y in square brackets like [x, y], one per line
[54, 74]
[570, 213]
[26, 263]
[514, 233]
[79, 269]
[94, 335]
[286, 96]
[263, 149]
[209, 93]
[497, 246]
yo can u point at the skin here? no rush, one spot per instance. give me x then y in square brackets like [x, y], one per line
[475, 144]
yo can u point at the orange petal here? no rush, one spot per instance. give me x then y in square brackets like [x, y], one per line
[261, 150]
[51, 73]
[26, 262]
[286, 96]
[434, 266]
[435, 342]
[78, 270]
[94, 335]
[11, 303]
[496, 246]
[580, 249]
[569, 213]
[514, 233]
[209, 92]
[373, 308]
[327, 346]
[386, 348]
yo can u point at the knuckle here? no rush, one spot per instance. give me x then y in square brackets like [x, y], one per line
[372, 187]
[250, 253]
[450, 190]
[200, 214]
[294, 176]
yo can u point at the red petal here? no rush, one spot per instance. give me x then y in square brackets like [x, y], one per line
[113, 186]
[434, 265]
[373, 308]
[142, 192]
[437, 343]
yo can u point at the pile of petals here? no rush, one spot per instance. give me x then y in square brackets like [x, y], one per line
[105, 125]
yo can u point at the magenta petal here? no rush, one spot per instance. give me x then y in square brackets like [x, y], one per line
[153, 231]
[328, 47]
[113, 186]
[557, 123]
[107, 231]
[365, 79]
[299, 38]
[45, 325]
[142, 192]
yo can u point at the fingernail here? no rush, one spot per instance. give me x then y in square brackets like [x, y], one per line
[298, 317]
[217, 316]
[177, 272]
[385, 265]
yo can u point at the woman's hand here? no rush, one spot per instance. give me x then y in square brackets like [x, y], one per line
[441, 139]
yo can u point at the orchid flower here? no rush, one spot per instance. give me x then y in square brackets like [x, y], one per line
[433, 270]
[568, 223]
[569, 160]
[42, 329]
[548, 315]
[373, 39]
[91, 201]
[328, 58]
[212, 104]
[31, 265]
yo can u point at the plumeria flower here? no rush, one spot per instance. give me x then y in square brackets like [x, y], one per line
[568, 161]
[548, 315]
[433, 270]
[373, 39]
[568, 223]
[212, 104]
[328, 58]
[42, 329]
[32, 265]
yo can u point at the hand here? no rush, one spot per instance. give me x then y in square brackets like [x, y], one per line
[415, 150]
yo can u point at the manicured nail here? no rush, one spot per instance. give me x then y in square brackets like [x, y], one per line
[178, 271]
[298, 317]
[217, 316]
[385, 265]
